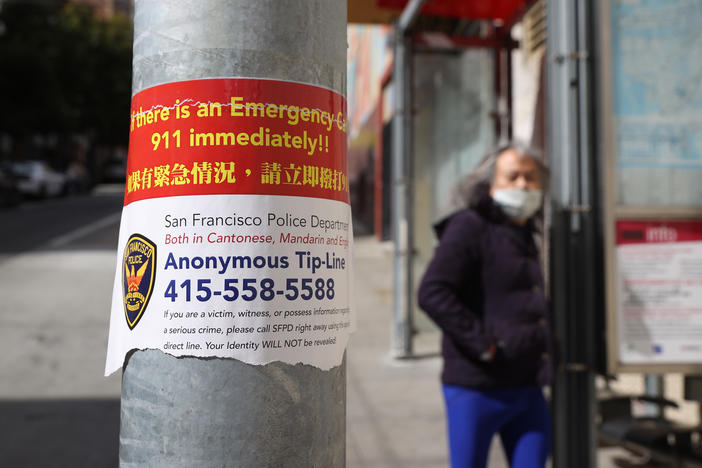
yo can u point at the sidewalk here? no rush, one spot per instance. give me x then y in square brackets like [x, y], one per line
[395, 415]
[395, 407]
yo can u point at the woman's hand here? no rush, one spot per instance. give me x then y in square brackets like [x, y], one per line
[489, 354]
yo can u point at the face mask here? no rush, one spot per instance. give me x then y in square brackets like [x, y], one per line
[518, 203]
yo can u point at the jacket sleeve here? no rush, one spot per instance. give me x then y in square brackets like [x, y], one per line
[456, 262]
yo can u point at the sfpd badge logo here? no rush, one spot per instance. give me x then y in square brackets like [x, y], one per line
[138, 277]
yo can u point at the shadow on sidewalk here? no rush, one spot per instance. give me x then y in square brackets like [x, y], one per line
[51, 433]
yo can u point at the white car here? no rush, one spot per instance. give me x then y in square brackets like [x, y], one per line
[37, 179]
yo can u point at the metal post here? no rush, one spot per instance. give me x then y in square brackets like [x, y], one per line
[576, 250]
[401, 171]
[503, 86]
[500, 102]
[185, 412]
[401, 207]
[655, 387]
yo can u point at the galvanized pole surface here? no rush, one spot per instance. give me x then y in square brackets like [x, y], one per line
[187, 412]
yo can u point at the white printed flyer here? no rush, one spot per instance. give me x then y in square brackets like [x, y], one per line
[659, 309]
[236, 234]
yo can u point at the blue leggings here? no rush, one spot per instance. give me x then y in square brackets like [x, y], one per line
[520, 415]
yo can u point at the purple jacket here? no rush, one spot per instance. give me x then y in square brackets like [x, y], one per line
[484, 286]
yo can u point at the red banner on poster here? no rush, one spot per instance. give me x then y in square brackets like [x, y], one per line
[237, 136]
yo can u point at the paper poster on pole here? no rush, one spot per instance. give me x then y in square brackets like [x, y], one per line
[659, 296]
[236, 231]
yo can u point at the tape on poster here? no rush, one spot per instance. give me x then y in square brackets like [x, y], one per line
[236, 230]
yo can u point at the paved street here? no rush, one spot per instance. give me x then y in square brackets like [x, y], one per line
[57, 260]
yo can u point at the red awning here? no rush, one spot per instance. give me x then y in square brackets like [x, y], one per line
[506, 11]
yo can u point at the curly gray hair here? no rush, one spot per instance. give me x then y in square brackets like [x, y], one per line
[478, 182]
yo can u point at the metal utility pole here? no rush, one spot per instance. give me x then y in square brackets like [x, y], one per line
[213, 412]
[576, 246]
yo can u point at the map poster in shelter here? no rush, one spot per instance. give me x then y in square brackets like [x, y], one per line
[659, 291]
[236, 230]
[656, 61]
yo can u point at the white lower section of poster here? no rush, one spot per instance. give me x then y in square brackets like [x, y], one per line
[660, 303]
[257, 278]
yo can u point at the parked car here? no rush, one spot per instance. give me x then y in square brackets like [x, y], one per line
[37, 179]
[9, 195]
